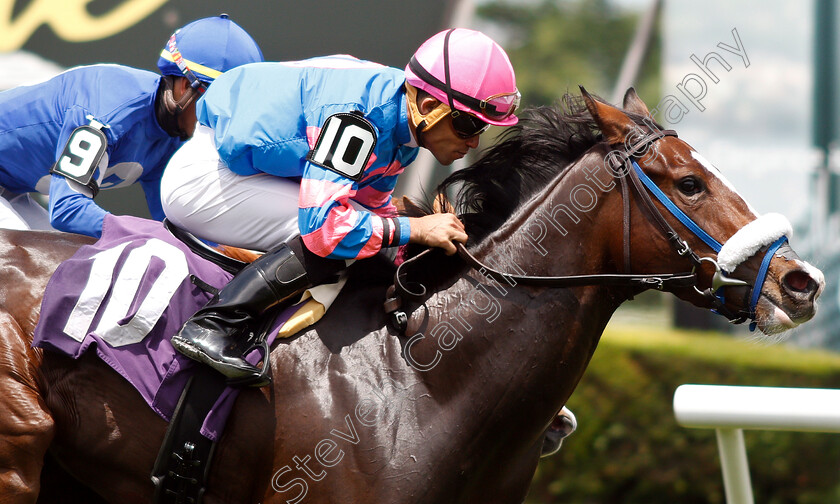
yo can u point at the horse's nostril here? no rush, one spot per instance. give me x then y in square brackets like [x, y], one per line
[800, 281]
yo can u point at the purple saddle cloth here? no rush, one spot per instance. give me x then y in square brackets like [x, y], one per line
[125, 296]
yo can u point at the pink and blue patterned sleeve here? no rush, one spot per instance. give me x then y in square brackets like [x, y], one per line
[343, 219]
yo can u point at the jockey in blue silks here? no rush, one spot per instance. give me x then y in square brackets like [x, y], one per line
[107, 126]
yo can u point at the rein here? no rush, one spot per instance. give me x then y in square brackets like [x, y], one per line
[624, 167]
[659, 282]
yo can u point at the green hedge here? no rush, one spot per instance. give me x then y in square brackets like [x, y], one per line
[629, 449]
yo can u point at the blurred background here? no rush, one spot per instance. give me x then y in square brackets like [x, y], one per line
[752, 85]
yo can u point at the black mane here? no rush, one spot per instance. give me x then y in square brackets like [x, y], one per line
[529, 155]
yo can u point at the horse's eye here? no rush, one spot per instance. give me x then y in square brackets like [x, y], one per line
[690, 186]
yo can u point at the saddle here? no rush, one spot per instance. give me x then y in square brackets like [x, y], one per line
[201, 249]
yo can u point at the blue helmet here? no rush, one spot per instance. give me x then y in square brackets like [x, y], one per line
[203, 49]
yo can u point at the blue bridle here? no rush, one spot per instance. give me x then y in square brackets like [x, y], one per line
[620, 163]
[698, 231]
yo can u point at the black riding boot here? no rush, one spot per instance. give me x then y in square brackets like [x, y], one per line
[218, 334]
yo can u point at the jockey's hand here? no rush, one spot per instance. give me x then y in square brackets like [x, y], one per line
[438, 230]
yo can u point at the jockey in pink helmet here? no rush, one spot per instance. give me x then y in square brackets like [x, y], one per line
[467, 72]
[331, 162]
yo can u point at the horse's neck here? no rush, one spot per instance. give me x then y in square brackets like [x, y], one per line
[523, 348]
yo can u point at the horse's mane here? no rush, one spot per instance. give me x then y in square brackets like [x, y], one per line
[528, 155]
[526, 158]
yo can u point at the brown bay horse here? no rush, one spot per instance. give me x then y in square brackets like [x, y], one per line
[454, 408]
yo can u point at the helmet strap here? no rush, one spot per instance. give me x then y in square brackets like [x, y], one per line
[423, 122]
[448, 83]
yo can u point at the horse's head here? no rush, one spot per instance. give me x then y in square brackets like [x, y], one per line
[685, 210]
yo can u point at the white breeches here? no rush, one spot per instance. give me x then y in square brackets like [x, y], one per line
[20, 211]
[200, 194]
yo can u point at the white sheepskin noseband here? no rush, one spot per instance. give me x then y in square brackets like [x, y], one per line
[746, 241]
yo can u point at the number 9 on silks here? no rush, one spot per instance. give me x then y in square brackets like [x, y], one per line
[84, 157]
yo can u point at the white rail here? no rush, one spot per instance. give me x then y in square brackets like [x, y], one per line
[731, 409]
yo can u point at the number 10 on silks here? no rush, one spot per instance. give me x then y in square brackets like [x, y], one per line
[344, 145]
[82, 155]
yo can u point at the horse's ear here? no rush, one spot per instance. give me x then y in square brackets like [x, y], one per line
[632, 103]
[614, 124]
[406, 206]
[442, 204]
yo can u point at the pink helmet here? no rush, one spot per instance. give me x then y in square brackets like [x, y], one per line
[468, 71]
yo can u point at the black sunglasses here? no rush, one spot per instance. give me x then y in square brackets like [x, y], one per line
[467, 125]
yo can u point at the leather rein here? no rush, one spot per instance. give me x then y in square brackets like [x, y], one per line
[621, 162]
